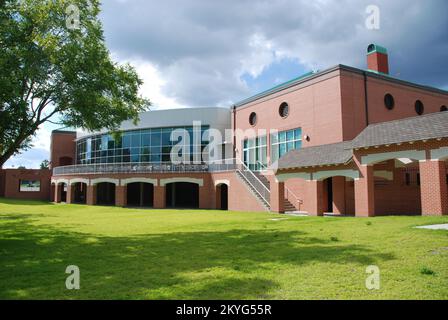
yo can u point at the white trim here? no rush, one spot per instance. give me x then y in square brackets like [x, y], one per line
[322, 175]
[164, 182]
[282, 177]
[100, 180]
[379, 157]
[59, 181]
[125, 182]
[440, 153]
[224, 181]
[82, 180]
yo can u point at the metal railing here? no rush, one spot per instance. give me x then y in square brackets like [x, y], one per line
[253, 180]
[288, 192]
[148, 167]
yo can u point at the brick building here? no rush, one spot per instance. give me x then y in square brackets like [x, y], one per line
[339, 141]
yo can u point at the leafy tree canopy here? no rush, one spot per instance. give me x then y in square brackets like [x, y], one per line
[45, 164]
[53, 65]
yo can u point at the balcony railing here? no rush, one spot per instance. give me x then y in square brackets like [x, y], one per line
[148, 167]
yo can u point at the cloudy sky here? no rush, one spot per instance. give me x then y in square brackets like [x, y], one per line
[214, 53]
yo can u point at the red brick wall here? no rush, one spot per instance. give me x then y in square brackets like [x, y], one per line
[11, 179]
[2, 182]
[434, 187]
[240, 198]
[315, 107]
[353, 102]
[63, 148]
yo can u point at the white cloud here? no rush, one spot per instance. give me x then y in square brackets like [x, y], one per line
[201, 48]
[153, 84]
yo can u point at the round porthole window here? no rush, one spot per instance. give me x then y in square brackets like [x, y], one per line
[283, 110]
[419, 107]
[253, 119]
[389, 101]
[443, 108]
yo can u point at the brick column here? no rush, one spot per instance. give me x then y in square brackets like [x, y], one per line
[277, 196]
[120, 196]
[433, 188]
[338, 194]
[91, 195]
[315, 198]
[365, 192]
[70, 193]
[217, 197]
[57, 193]
[159, 197]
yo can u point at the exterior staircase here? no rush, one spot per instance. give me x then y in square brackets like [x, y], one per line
[289, 207]
[255, 191]
[259, 186]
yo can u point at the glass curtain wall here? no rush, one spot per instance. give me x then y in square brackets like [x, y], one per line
[137, 146]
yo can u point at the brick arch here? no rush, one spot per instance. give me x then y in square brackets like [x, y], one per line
[164, 182]
[79, 180]
[116, 182]
[59, 181]
[220, 182]
[125, 182]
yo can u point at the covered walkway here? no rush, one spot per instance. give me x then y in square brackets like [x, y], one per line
[397, 167]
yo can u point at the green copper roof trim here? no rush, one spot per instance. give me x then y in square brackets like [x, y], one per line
[372, 48]
[371, 73]
[264, 93]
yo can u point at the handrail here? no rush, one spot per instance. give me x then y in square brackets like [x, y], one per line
[264, 192]
[288, 191]
[145, 167]
[246, 167]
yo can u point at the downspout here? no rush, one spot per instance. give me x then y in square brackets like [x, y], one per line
[234, 131]
[366, 100]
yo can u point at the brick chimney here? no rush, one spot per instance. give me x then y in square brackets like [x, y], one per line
[377, 59]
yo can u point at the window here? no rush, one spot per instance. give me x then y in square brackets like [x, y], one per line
[408, 178]
[389, 101]
[255, 153]
[443, 108]
[29, 186]
[253, 119]
[285, 141]
[147, 145]
[283, 110]
[419, 107]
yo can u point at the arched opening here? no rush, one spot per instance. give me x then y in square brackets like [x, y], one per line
[182, 195]
[222, 196]
[62, 189]
[105, 193]
[339, 195]
[80, 192]
[140, 194]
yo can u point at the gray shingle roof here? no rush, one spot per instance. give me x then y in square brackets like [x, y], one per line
[335, 153]
[430, 126]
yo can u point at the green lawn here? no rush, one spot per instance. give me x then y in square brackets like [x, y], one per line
[193, 254]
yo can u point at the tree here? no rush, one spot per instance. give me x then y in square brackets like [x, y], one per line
[45, 164]
[54, 66]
